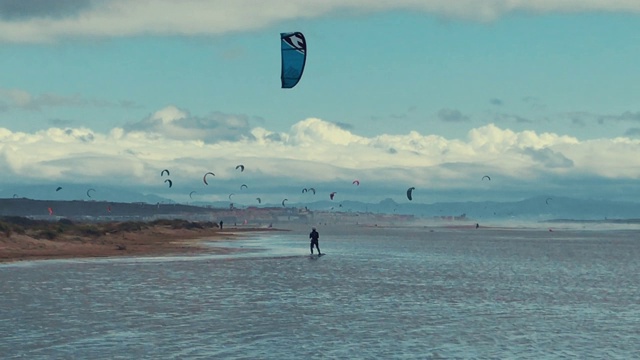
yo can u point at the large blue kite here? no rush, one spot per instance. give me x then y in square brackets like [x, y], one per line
[294, 55]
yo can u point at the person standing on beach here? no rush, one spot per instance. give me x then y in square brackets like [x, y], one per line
[314, 236]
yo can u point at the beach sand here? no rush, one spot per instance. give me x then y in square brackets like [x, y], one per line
[33, 242]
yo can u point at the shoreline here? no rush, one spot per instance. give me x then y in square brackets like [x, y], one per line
[25, 239]
[34, 240]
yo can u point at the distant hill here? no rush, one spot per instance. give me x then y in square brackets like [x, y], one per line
[100, 211]
[536, 208]
[80, 208]
[540, 208]
[79, 192]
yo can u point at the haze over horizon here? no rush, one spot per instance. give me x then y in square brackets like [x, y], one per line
[431, 94]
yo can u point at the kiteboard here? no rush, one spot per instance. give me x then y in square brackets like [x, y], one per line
[315, 256]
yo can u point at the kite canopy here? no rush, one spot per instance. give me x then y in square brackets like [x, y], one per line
[294, 56]
[204, 178]
[410, 193]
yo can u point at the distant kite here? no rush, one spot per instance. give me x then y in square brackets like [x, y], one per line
[59, 188]
[332, 195]
[410, 193]
[356, 182]
[241, 167]
[259, 200]
[284, 201]
[191, 194]
[245, 186]
[204, 178]
[486, 176]
[89, 192]
[164, 171]
[170, 182]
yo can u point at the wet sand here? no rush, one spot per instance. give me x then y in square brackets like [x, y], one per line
[104, 241]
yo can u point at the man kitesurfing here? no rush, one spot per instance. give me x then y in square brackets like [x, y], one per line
[314, 236]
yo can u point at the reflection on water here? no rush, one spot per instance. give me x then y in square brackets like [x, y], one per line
[393, 293]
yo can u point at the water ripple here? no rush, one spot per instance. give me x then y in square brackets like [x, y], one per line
[400, 293]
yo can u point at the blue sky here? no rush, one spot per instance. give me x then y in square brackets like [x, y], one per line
[541, 96]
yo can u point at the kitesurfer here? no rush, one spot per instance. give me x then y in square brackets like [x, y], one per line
[314, 236]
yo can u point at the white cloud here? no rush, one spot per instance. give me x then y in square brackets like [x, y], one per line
[174, 123]
[42, 21]
[315, 131]
[313, 151]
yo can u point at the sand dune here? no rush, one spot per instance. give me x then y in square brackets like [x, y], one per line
[25, 239]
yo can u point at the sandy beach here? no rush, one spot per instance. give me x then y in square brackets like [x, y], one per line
[23, 239]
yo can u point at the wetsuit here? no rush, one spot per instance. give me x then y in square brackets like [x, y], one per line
[314, 236]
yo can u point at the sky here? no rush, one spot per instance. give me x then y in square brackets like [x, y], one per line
[539, 95]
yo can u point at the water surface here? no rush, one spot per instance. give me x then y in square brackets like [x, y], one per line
[406, 293]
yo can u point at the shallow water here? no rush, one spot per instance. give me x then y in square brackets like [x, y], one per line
[379, 293]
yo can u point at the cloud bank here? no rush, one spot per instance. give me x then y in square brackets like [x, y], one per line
[177, 124]
[44, 20]
[313, 151]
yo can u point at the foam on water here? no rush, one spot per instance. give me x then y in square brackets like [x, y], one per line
[380, 293]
